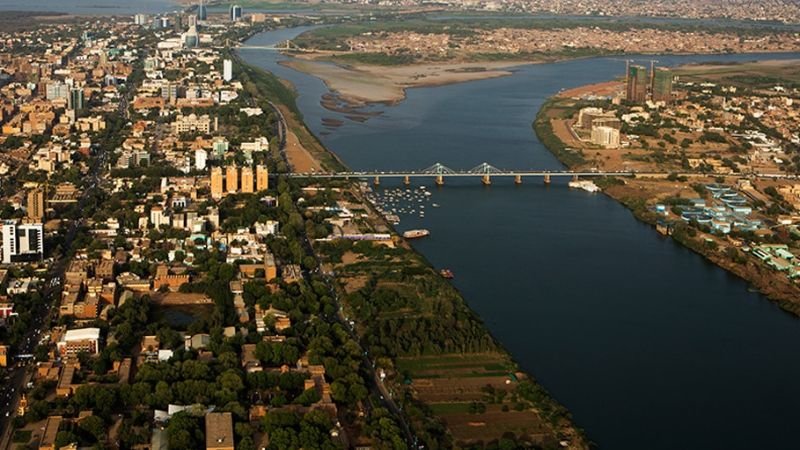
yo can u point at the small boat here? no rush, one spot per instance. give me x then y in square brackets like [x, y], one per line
[413, 234]
[446, 273]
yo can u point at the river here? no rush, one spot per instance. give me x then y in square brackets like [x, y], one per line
[647, 344]
[93, 7]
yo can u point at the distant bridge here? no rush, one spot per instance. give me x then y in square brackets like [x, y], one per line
[486, 172]
[286, 46]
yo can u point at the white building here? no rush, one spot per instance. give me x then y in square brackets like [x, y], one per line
[200, 159]
[24, 242]
[157, 217]
[227, 70]
[605, 136]
[82, 340]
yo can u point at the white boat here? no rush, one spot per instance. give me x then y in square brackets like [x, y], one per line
[413, 234]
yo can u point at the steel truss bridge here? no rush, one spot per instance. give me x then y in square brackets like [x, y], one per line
[485, 172]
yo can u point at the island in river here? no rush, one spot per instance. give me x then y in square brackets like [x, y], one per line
[375, 61]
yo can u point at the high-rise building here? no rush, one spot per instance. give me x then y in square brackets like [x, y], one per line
[140, 19]
[191, 39]
[75, 100]
[661, 90]
[22, 242]
[191, 21]
[202, 11]
[235, 13]
[200, 159]
[262, 178]
[247, 180]
[636, 84]
[36, 205]
[227, 70]
[56, 90]
[232, 179]
[216, 183]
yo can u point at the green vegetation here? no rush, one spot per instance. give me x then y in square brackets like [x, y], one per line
[544, 131]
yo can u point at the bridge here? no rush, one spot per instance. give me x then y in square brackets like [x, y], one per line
[283, 46]
[485, 172]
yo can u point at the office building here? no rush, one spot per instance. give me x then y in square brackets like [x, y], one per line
[75, 100]
[56, 90]
[202, 11]
[22, 242]
[661, 89]
[82, 340]
[636, 84]
[247, 180]
[192, 124]
[140, 19]
[191, 39]
[262, 178]
[232, 179]
[36, 205]
[216, 183]
[227, 70]
[235, 13]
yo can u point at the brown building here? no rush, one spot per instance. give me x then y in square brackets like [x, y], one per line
[262, 178]
[48, 440]
[165, 278]
[217, 190]
[232, 179]
[219, 431]
[247, 180]
[36, 205]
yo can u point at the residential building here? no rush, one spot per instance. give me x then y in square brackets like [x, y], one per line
[219, 431]
[232, 179]
[36, 205]
[247, 181]
[217, 190]
[262, 178]
[227, 70]
[607, 137]
[22, 242]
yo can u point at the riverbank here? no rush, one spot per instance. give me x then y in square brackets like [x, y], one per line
[640, 195]
[496, 399]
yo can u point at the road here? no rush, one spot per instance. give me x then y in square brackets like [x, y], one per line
[44, 316]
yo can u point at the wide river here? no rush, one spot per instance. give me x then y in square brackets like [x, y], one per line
[647, 344]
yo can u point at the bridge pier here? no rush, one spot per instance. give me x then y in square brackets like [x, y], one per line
[547, 178]
[574, 178]
[407, 180]
[517, 179]
[377, 181]
[486, 180]
[439, 180]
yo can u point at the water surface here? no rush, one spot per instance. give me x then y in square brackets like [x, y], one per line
[647, 344]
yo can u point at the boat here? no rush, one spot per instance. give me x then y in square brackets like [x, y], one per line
[587, 186]
[446, 273]
[413, 234]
